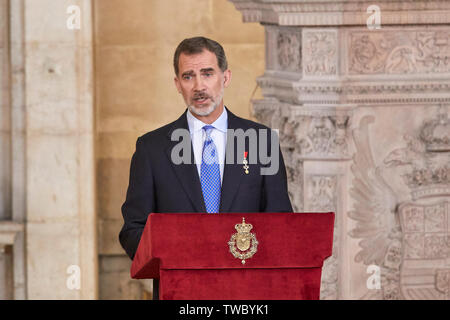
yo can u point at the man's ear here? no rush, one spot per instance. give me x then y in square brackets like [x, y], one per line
[177, 84]
[226, 78]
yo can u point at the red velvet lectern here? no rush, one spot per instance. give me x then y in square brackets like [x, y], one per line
[190, 254]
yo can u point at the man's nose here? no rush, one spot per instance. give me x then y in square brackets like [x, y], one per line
[199, 85]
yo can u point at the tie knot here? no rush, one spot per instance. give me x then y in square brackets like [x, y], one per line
[208, 130]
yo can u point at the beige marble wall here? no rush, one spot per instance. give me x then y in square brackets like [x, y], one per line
[134, 45]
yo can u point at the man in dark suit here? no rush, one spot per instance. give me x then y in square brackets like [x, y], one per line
[217, 178]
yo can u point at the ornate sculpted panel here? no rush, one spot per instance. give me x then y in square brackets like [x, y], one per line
[399, 52]
[289, 51]
[275, 115]
[342, 13]
[408, 240]
[320, 133]
[320, 53]
[311, 132]
[426, 249]
[321, 193]
[407, 62]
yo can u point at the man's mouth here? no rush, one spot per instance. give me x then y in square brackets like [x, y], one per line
[200, 99]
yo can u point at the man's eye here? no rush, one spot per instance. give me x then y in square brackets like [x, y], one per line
[208, 74]
[187, 77]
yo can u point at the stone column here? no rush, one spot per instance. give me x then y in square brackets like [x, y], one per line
[5, 115]
[12, 275]
[59, 186]
[46, 151]
[360, 94]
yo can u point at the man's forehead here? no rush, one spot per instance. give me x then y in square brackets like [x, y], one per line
[198, 61]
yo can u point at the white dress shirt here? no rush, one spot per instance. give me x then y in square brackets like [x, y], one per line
[218, 135]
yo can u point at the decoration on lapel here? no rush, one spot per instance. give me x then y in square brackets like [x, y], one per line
[243, 244]
[245, 162]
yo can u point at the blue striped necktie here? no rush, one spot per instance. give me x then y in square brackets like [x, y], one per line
[210, 173]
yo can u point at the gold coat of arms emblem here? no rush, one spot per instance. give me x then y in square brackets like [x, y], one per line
[243, 244]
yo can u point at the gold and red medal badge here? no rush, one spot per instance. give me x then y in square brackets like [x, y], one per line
[245, 162]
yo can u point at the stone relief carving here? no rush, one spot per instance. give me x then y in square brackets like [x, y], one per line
[329, 286]
[418, 91]
[406, 63]
[428, 154]
[270, 113]
[400, 52]
[289, 51]
[408, 240]
[319, 53]
[322, 193]
[375, 214]
[308, 133]
[322, 135]
[294, 172]
[426, 249]
[319, 13]
[322, 197]
[443, 282]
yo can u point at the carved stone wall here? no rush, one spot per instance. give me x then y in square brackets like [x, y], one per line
[363, 115]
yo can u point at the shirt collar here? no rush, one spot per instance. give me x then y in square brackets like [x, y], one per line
[220, 124]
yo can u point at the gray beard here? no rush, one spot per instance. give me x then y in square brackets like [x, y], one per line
[202, 112]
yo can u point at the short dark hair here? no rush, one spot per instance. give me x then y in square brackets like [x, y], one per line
[197, 45]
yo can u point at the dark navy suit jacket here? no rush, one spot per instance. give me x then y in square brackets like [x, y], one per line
[158, 185]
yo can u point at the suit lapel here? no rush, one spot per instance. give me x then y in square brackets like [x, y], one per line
[232, 173]
[186, 173]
